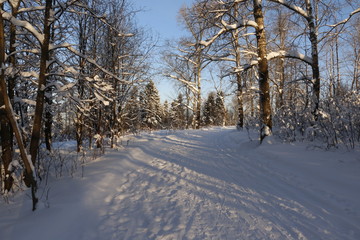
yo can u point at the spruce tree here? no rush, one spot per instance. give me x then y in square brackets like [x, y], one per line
[178, 112]
[219, 110]
[209, 110]
[151, 108]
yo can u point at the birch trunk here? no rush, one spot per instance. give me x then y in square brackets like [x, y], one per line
[239, 92]
[315, 58]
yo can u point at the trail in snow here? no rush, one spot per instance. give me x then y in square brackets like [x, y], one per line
[205, 184]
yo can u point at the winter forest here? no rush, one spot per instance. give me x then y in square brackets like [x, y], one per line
[84, 71]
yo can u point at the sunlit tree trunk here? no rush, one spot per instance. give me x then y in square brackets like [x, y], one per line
[239, 82]
[198, 96]
[264, 86]
[282, 30]
[315, 58]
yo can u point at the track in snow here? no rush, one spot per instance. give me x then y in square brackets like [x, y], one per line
[216, 184]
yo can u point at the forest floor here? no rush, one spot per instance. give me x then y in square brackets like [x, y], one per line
[212, 183]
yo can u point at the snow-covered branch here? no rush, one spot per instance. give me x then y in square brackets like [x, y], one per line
[290, 54]
[92, 61]
[240, 24]
[245, 67]
[63, 45]
[31, 9]
[220, 58]
[292, 7]
[229, 27]
[190, 85]
[345, 20]
[24, 24]
[272, 55]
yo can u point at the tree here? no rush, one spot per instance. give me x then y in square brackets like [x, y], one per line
[167, 116]
[262, 61]
[354, 55]
[220, 110]
[178, 111]
[50, 61]
[151, 112]
[40, 98]
[209, 110]
[264, 85]
[5, 104]
[178, 67]
[312, 22]
[192, 18]
[132, 111]
[6, 129]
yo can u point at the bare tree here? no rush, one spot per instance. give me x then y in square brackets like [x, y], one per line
[193, 20]
[5, 104]
[262, 62]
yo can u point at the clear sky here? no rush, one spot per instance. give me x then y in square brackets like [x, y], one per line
[161, 17]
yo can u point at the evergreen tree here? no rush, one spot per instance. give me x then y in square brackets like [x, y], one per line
[178, 112]
[151, 108]
[132, 120]
[209, 110]
[219, 110]
[166, 115]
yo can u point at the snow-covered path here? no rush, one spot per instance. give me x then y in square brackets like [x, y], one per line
[205, 184]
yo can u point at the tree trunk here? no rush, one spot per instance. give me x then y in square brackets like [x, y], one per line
[315, 59]
[239, 92]
[40, 98]
[6, 129]
[281, 64]
[79, 123]
[29, 177]
[6, 144]
[355, 86]
[198, 100]
[48, 107]
[187, 107]
[48, 120]
[264, 86]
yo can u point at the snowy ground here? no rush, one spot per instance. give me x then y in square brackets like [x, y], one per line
[205, 184]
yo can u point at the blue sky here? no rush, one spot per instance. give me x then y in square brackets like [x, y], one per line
[161, 17]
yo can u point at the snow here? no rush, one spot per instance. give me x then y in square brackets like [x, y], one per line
[213, 183]
[289, 54]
